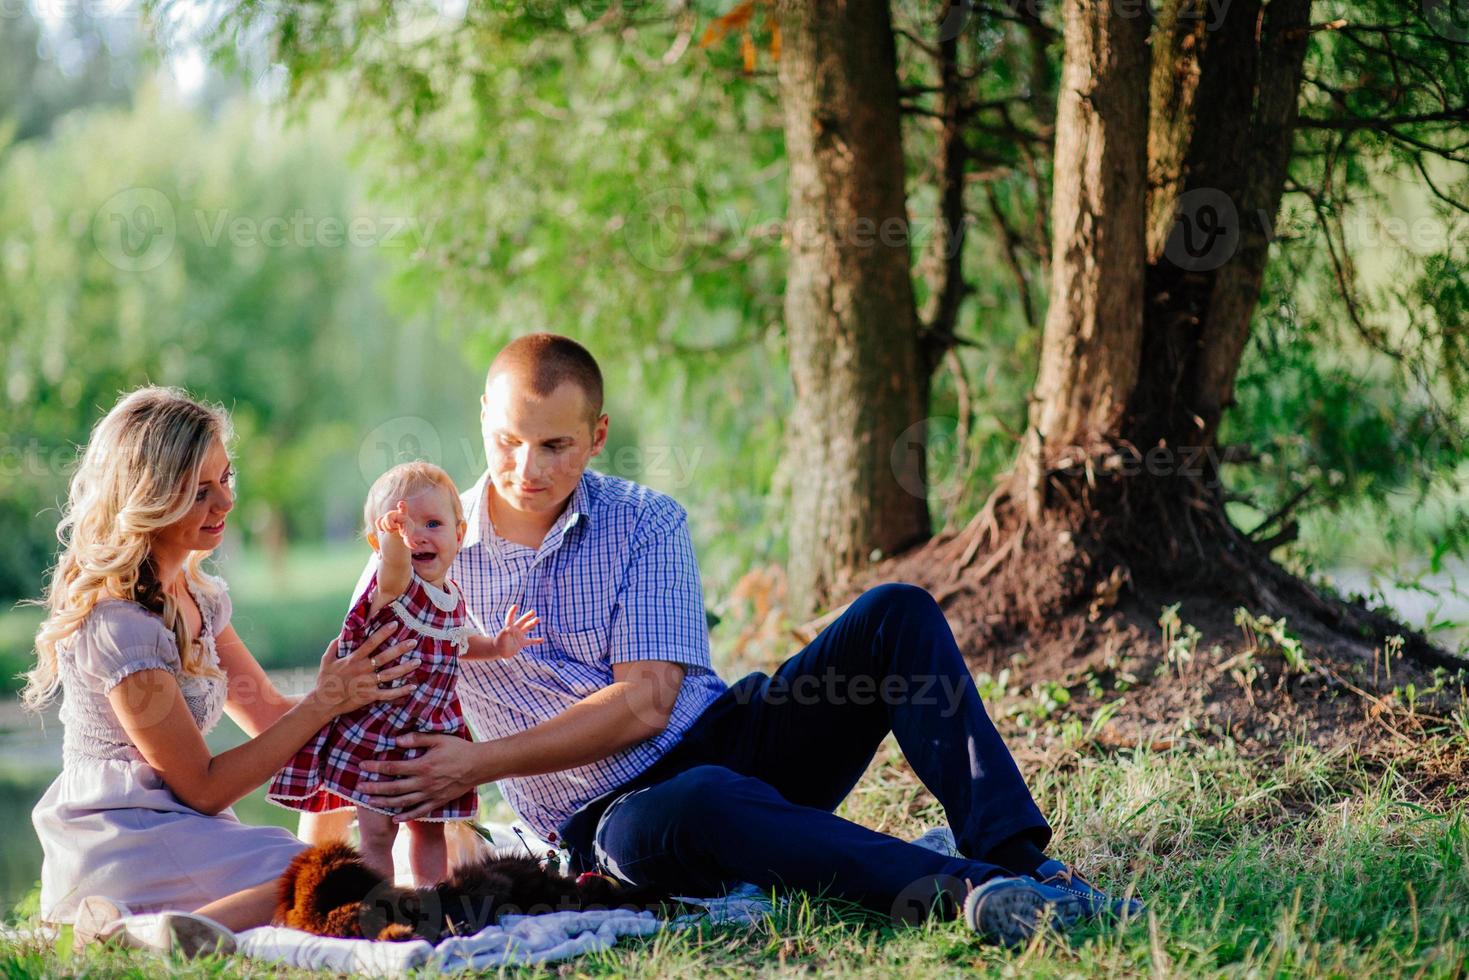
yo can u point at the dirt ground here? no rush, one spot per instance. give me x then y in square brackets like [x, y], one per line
[1139, 675]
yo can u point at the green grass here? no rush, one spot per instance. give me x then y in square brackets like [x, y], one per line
[1307, 864]
[285, 613]
[1303, 864]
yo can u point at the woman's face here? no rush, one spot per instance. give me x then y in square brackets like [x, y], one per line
[202, 528]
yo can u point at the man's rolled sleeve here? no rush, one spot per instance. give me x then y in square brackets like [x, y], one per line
[659, 613]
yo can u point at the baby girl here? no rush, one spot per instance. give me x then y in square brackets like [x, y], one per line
[415, 523]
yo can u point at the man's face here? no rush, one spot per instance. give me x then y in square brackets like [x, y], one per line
[537, 448]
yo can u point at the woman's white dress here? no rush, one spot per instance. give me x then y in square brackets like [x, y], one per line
[108, 824]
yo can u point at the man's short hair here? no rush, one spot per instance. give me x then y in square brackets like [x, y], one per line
[546, 361]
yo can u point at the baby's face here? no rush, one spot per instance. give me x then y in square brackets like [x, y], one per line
[434, 533]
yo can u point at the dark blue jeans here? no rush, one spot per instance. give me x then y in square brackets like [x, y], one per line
[748, 793]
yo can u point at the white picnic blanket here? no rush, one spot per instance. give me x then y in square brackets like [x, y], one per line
[515, 939]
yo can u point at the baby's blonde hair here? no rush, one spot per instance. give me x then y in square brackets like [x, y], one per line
[404, 480]
[137, 476]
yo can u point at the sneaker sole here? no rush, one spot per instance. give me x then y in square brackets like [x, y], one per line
[1012, 916]
[194, 935]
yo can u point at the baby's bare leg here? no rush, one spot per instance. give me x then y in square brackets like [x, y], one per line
[428, 855]
[377, 831]
[325, 828]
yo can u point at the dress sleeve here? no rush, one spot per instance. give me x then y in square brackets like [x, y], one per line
[119, 639]
[365, 581]
[359, 625]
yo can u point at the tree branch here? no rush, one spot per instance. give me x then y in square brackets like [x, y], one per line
[1344, 278]
[1427, 179]
[1351, 123]
[944, 262]
[1280, 513]
[1010, 241]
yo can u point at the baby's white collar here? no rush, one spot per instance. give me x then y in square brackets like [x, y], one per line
[446, 599]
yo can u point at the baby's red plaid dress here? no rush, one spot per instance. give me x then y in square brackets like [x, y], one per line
[327, 773]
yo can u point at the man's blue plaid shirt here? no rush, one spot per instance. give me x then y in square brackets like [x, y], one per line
[615, 580]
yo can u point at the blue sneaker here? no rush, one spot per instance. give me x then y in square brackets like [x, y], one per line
[1063, 878]
[1008, 911]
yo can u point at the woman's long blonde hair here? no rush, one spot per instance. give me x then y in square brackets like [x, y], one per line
[137, 476]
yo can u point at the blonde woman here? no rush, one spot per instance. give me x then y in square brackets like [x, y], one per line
[138, 639]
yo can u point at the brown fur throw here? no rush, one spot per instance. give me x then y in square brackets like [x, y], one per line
[327, 890]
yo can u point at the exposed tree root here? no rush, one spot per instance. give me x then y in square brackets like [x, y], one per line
[1073, 597]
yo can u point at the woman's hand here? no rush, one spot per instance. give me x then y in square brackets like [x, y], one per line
[152, 710]
[347, 683]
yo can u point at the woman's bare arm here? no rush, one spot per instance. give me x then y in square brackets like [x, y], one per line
[152, 710]
[253, 701]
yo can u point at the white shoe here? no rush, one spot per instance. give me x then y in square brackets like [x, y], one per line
[106, 920]
[193, 935]
[96, 918]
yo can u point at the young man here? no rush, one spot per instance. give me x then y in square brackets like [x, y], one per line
[617, 738]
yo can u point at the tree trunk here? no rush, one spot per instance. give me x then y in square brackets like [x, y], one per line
[1154, 287]
[1155, 281]
[1264, 148]
[1169, 166]
[1168, 170]
[861, 387]
[1094, 325]
[1223, 111]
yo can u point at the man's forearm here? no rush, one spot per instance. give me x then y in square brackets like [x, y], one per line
[633, 708]
[602, 724]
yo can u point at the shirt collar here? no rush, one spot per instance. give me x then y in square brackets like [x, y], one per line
[577, 509]
[445, 599]
[477, 514]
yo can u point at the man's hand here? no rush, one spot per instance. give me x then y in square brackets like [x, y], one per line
[449, 768]
[636, 706]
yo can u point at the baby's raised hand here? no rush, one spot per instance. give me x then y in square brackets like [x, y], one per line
[396, 524]
[515, 635]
